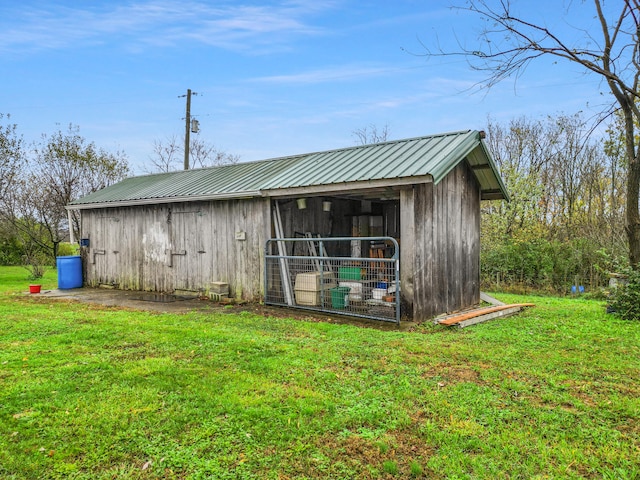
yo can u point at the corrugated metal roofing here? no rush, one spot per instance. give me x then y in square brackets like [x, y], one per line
[434, 155]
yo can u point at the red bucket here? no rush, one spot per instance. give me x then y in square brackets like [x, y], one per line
[34, 288]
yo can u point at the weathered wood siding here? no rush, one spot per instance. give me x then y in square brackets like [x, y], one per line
[440, 244]
[179, 246]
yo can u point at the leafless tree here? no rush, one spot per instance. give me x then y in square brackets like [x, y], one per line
[168, 155]
[371, 134]
[509, 43]
[203, 154]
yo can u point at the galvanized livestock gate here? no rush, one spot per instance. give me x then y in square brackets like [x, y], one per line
[301, 273]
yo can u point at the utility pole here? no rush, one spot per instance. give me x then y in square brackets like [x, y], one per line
[186, 132]
[187, 128]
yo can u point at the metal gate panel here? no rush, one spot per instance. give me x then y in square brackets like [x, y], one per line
[309, 273]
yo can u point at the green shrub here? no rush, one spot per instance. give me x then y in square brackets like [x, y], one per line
[544, 265]
[36, 264]
[625, 299]
[11, 251]
[66, 249]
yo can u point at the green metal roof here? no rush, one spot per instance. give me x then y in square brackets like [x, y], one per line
[388, 163]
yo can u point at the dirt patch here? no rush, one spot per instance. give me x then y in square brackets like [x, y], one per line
[395, 454]
[163, 303]
[453, 374]
[377, 457]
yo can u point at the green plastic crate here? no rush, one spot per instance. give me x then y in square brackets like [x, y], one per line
[350, 273]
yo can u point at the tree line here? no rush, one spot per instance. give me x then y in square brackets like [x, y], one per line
[605, 42]
[565, 223]
[38, 180]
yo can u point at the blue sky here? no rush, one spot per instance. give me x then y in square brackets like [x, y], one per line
[273, 78]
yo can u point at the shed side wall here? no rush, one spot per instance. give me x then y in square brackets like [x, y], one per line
[446, 244]
[182, 246]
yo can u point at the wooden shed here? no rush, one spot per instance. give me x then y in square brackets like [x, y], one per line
[183, 230]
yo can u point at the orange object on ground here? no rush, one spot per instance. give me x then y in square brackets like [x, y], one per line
[460, 317]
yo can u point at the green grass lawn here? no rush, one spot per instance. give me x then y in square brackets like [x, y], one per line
[97, 392]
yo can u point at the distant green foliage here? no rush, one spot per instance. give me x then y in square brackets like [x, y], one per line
[66, 249]
[11, 250]
[547, 265]
[625, 299]
[564, 223]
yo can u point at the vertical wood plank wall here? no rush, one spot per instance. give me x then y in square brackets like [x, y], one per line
[440, 244]
[314, 219]
[407, 250]
[138, 242]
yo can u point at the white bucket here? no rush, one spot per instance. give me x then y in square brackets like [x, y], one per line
[378, 293]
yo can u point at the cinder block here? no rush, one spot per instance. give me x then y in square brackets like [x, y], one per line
[220, 288]
[218, 297]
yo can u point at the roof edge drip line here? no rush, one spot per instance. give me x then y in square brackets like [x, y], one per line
[148, 201]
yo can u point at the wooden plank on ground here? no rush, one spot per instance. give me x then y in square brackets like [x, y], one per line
[489, 316]
[460, 317]
[489, 299]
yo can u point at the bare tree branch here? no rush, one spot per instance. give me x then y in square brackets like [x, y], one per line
[371, 134]
[168, 155]
[511, 43]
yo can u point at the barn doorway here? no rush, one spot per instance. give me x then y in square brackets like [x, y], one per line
[300, 273]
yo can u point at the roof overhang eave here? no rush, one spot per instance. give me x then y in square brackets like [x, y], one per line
[470, 144]
[163, 200]
[337, 188]
[493, 195]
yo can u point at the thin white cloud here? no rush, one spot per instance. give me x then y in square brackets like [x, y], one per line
[24, 27]
[333, 74]
[330, 74]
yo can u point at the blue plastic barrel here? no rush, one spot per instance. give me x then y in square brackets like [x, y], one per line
[69, 272]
